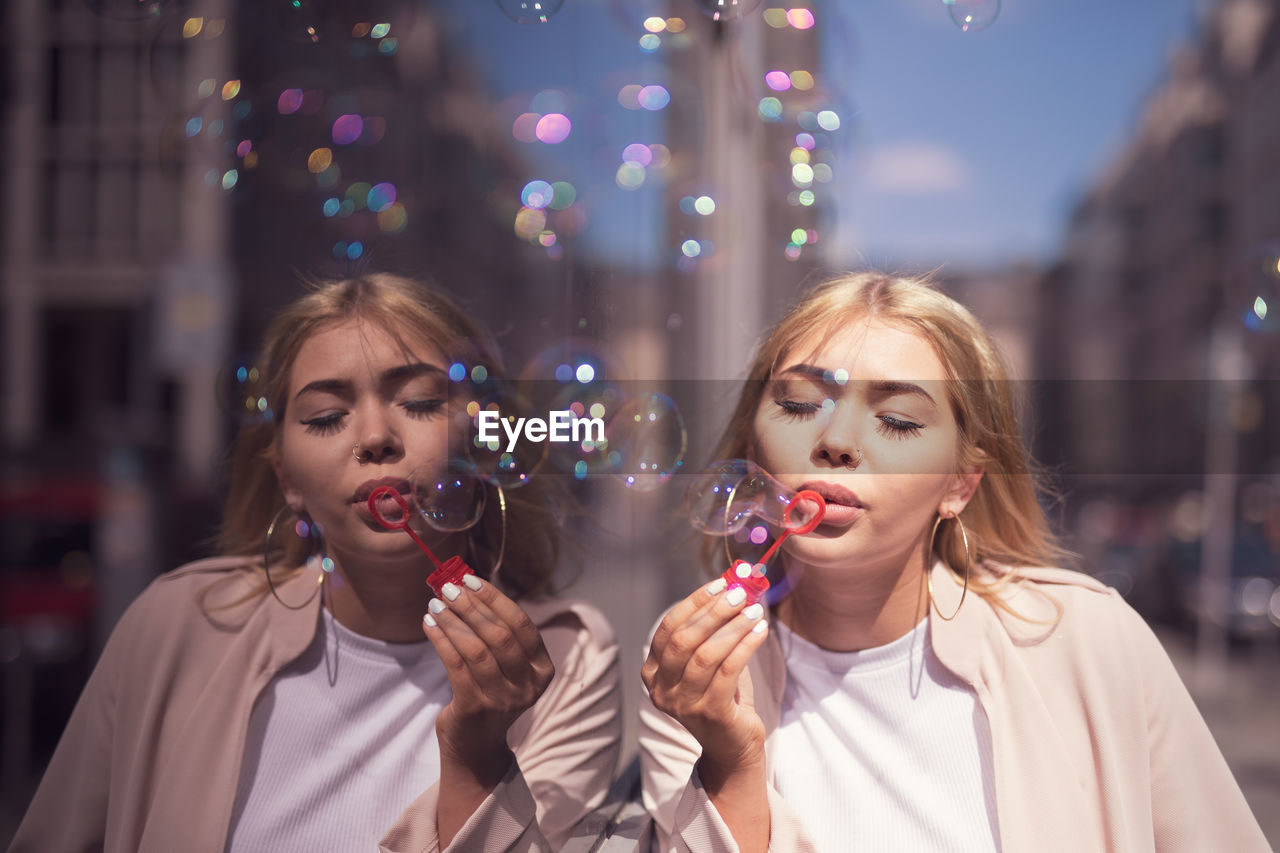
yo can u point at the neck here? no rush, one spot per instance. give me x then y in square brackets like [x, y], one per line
[851, 609]
[383, 599]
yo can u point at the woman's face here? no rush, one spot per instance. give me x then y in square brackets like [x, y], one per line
[864, 420]
[353, 384]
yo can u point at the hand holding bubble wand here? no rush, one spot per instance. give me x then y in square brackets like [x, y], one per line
[726, 495]
[454, 503]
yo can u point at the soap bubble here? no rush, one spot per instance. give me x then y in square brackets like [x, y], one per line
[530, 11]
[726, 10]
[971, 15]
[646, 441]
[724, 497]
[448, 500]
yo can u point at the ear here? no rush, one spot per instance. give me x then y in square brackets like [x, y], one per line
[292, 496]
[962, 487]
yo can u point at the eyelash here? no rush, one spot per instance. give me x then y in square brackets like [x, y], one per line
[889, 426]
[331, 423]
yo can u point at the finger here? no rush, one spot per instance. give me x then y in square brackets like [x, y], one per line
[724, 682]
[519, 658]
[474, 652]
[686, 640]
[459, 674]
[503, 611]
[696, 602]
[708, 661]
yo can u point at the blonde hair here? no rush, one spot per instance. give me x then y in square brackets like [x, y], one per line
[1005, 522]
[402, 308]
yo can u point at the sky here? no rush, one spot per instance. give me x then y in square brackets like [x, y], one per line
[964, 148]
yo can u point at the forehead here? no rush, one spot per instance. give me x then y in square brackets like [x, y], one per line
[869, 348]
[349, 346]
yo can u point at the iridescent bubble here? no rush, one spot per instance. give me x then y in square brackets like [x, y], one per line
[529, 222]
[778, 81]
[629, 96]
[448, 500]
[553, 128]
[629, 176]
[289, 102]
[769, 109]
[653, 97]
[381, 196]
[525, 127]
[562, 195]
[537, 194]
[726, 10]
[637, 153]
[393, 218]
[347, 129]
[647, 441]
[319, 160]
[972, 15]
[530, 11]
[801, 19]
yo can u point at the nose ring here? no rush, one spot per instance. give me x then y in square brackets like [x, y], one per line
[358, 454]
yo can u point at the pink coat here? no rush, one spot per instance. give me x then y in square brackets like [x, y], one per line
[1097, 745]
[150, 759]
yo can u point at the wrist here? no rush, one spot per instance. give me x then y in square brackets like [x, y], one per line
[741, 773]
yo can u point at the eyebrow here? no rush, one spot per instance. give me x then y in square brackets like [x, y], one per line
[878, 387]
[397, 374]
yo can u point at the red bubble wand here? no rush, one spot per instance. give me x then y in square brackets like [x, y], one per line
[451, 570]
[751, 577]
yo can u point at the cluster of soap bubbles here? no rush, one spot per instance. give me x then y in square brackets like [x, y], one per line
[636, 436]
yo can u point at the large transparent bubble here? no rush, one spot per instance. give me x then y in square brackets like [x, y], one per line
[646, 441]
[724, 497]
[448, 500]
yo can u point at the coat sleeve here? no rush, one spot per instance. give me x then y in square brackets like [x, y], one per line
[566, 750]
[685, 819]
[1195, 801]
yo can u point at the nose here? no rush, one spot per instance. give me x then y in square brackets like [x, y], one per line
[837, 445]
[379, 442]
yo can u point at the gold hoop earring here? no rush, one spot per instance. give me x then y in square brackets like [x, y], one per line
[316, 560]
[502, 541]
[928, 571]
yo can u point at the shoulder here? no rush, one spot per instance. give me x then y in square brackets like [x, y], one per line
[1054, 595]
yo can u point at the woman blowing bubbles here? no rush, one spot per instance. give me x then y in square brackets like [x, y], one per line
[921, 687]
[229, 714]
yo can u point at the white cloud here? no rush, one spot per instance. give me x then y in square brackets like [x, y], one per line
[914, 168]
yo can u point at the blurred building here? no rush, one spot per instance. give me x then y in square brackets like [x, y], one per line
[1168, 276]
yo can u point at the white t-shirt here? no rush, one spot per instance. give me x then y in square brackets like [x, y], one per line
[340, 743]
[884, 749]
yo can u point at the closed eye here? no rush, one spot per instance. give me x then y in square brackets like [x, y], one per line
[897, 427]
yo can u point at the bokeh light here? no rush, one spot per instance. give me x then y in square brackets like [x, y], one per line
[347, 129]
[726, 10]
[653, 97]
[553, 128]
[778, 81]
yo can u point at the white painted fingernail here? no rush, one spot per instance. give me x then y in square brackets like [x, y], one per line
[759, 627]
[436, 606]
[717, 586]
[428, 620]
[736, 596]
[472, 582]
[450, 592]
[754, 612]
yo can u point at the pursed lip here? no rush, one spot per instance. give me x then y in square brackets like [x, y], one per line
[366, 488]
[834, 494]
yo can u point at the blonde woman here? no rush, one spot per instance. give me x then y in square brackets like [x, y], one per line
[263, 701]
[927, 683]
